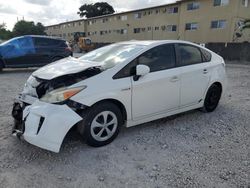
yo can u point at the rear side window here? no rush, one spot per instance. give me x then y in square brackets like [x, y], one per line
[206, 56]
[159, 58]
[189, 55]
[45, 42]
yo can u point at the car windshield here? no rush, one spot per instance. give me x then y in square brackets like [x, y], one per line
[111, 55]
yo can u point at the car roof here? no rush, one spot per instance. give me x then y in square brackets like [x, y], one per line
[43, 36]
[154, 42]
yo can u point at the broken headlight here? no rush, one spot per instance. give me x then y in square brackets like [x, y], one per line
[60, 95]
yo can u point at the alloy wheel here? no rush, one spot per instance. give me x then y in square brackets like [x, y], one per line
[104, 126]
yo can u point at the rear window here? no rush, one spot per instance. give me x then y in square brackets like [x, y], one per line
[44, 42]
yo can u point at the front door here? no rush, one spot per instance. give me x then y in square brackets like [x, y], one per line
[157, 92]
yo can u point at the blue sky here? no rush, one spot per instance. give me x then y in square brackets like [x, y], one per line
[55, 11]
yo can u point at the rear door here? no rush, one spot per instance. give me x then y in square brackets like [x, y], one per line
[195, 74]
[157, 92]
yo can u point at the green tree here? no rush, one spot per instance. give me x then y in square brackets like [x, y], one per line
[4, 33]
[246, 24]
[28, 28]
[97, 9]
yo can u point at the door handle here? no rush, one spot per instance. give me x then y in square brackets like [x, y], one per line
[205, 71]
[174, 79]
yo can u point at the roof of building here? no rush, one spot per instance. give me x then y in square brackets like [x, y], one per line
[120, 13]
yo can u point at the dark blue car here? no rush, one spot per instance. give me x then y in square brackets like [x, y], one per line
[32, 51]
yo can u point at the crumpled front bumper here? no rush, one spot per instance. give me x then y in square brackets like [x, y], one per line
[45, 125]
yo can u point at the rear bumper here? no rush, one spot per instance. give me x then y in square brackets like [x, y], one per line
[45, 125]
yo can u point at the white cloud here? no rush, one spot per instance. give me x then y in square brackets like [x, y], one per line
[54, 11]
[39, 2]
[7, 9]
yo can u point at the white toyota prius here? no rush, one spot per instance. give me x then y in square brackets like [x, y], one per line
[126, 83]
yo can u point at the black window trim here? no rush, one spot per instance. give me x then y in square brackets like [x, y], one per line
[117, 76]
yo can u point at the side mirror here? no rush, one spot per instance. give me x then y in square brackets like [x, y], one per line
[141, 70]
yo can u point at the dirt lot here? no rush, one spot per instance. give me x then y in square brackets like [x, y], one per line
[193, 149]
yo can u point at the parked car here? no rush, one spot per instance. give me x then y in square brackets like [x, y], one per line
[32, 51]
[127, 83]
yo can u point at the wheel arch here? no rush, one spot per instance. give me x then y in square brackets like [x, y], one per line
[217, 83]
[118, 103]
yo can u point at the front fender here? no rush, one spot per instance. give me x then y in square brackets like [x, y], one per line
[46, 124]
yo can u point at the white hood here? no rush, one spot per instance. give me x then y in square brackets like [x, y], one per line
[62, 67]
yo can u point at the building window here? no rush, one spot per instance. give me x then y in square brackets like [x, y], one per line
[221, 2]
[157, 28]
[157, 11]
[137, 15]
[104, 20]
[245, 3]
[218, 24]
[137, 30]
[173, 10]
[149, 28]
[123, 18]
[124, 31]
[149, 12]
[171, 28]
[193, 6]
[191, 26]
[143, 29]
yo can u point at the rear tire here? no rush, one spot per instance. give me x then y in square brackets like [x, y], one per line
[100, 124]
[212, 98]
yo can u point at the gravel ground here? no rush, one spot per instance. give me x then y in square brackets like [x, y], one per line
[193, 149]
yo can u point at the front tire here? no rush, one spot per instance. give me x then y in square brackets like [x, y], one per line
[212, 98]
[101, 124]
[1, 65]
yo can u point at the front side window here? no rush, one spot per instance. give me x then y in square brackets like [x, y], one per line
[218, 24]
[189, 55]
[193, 6]
[191, 26]
[159, 58]
[221, 2]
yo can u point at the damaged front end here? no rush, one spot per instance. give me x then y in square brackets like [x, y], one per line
[36, 120]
